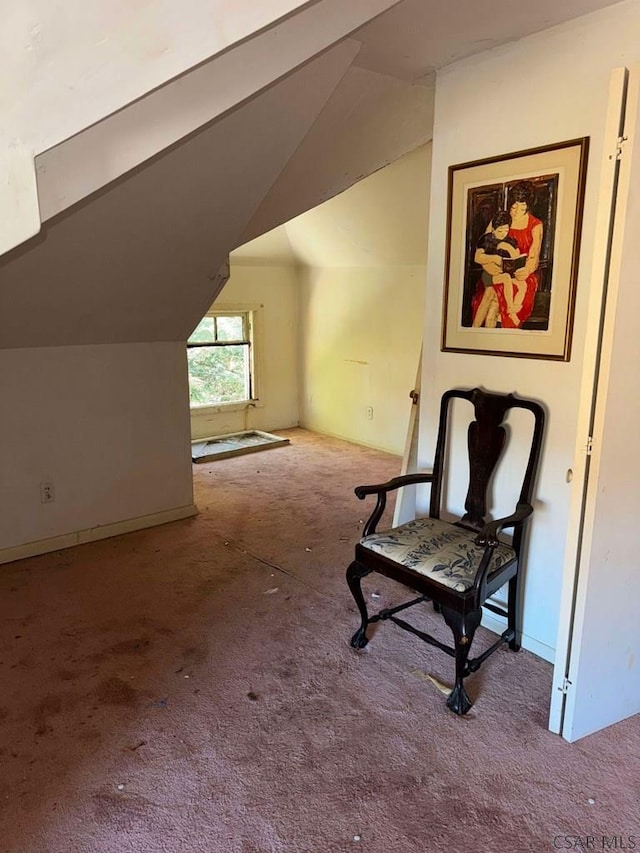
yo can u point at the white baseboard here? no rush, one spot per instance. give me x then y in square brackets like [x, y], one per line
[351, 440]
[93, 534]
[496, 624]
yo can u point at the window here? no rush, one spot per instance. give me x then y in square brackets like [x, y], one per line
[220, 359]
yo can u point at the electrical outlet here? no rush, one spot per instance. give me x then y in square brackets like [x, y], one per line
[47, 493]
[369, 413]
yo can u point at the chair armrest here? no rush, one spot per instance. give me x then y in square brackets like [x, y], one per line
[488, 536]
[381, 491]
[395, 483]
[488, 539]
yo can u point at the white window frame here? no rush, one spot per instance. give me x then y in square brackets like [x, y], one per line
[254, 312]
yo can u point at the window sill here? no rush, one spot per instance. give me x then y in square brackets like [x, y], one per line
[218, 408]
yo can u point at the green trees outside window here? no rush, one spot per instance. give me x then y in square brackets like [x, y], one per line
[219, 357]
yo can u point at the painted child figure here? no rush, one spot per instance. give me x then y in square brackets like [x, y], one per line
[493, 247]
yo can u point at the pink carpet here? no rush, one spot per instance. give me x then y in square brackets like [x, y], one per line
[191, 688]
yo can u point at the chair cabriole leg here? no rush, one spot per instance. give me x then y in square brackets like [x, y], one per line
[463, 627]
[355, 573]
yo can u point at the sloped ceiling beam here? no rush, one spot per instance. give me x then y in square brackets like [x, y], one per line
[370, 121]
[70, 68]
[91, 159]
[137, 261]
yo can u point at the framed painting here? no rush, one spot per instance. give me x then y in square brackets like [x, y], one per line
[513, 240]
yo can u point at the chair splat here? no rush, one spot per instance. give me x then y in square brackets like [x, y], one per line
[485, 440]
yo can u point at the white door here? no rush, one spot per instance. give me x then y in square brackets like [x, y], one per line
[597, 674]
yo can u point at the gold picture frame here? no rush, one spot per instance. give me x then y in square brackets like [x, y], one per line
[513, 238]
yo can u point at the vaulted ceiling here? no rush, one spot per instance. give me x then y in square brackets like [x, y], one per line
[141, 208]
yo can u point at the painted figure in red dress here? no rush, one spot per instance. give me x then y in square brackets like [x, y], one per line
[490, 302]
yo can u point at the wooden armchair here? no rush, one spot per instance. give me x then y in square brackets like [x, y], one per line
[456, 565]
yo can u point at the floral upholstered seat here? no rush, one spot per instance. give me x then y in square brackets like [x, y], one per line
[437, 549]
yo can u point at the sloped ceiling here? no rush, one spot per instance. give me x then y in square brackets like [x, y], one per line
[271, 249]
[380, 221]
[370, 120]
[383, 107]
[136, 261]
[123, 140]
[416, 37]
[71, 64]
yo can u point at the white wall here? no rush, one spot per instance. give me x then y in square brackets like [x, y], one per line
[560, 80]
[361, 304]
[108, 425]
[274, 288]
[360, 342]
[135, 263]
